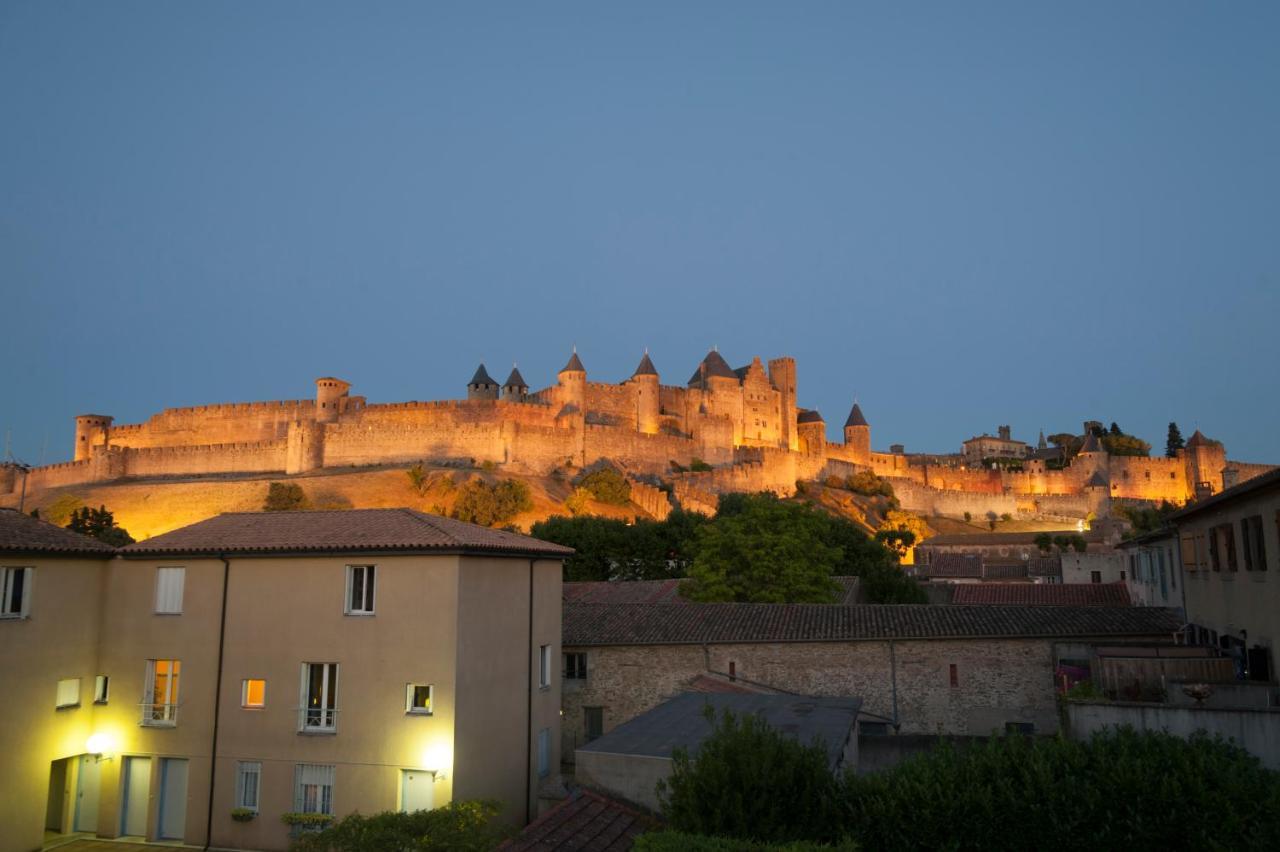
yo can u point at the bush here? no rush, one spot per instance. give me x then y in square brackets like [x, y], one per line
[612, 549]
[675, 841]
[456, 827]
[285, 497]
[1044, 542]
[489, 505]
[751, 782]
[968, 516]
[418, 480]
[99, 523]
[607, 486]
[697, 465]
[1119, 790]
[1006, 517]
[867, 484]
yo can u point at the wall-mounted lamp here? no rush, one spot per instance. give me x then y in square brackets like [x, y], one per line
[99, 745]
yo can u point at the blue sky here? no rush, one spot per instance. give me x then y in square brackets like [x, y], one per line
[963, 214]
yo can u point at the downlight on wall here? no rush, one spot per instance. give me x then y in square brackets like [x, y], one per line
[101, 745]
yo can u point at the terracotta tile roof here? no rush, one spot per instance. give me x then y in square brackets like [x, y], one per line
[645, 624]
[1044, 566]
[662, 591]
[1004, 570]
[340, 531]
[985, 539]
[585, 821]
[1042, 594]
[21, 533]
[951, 565]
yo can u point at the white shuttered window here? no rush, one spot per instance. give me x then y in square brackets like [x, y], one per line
[69, 692]
[169, 583]
[248, 780]
[313, 789]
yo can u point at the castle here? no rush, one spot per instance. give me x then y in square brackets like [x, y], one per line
[725, 429]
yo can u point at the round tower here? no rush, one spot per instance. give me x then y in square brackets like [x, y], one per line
[857, 436]
[91, 431]
[330, 393]
[573, 383]
[648, 406]
[1205, 459]
[1092, 459]
[482, 385]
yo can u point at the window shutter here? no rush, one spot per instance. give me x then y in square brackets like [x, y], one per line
[169, 583]
[68, 692]
[318, 777]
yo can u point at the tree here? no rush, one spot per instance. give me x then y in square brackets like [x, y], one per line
[488, 505]
[750, 781]
[769, 552]
[1125, 445]
[285, 497]
[1044, 542]
[1174, 442]
[1115, 429]
[612, 549]
[460, 826]
[100, 524]
[898, 541]
[607, 486]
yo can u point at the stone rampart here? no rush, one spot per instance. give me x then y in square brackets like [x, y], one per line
[252, 457]
[652, 500]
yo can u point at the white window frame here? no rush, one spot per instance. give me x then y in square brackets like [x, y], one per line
[368, 580]
[544, 666]
[322, 719]
[170, 603]
[68, 693]
[101, 689]
[162, 713]
[8, 579]
[246, 769]
[409, 708]
[322, 778]
[244, 693]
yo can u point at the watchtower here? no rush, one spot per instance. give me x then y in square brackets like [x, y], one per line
[330, 393]
[92, 430]
[648, 406]
[482, 385]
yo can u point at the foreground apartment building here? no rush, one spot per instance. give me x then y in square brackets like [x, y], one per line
[265, 664]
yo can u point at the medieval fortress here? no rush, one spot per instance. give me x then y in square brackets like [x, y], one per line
[743, 423]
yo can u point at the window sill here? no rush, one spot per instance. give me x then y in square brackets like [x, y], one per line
[426, 713]
[14, 617]
[258, 707]
[145, 724]
[67, 706]
[360, 614]
[318, 732]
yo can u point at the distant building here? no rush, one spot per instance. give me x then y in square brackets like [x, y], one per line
[998, 446]
[1155, 574]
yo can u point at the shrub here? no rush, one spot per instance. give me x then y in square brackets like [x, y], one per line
[1044, 542]
[607, 486]
[697, 465]
[612, 549]
[99, 523]
[456, 827]
[751, 782]
[285, 497]
[243, 814]
[489, 505]
[1006, 517]
[834, 482]
[968, 516]
[418, 480]
[577, 501]
[866, 483]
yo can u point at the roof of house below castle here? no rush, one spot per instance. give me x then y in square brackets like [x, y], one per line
[20, 533]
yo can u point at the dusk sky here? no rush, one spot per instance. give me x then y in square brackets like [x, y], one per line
[963, 214]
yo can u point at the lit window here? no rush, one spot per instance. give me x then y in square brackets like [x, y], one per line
[360, 589]
[417, 698]
[253, 693]
[101, 689]
[248, 782]
[544, 665]
[169, 583]
[160, 693]
[69, 692]
[15, 592]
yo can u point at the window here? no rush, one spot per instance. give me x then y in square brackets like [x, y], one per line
[68, 693]
[160, 693]
[15, 592]
[319, 697]
[593, 720]
[1227, 538]
[248, 782]
[253, 693]
[1095, 576]
[575, 666]
[873, 729]
[1187, 543]
[1123, 577]
[169, 583]
[313, 789]
[1215, 558]
[417, 698]
[1255, 549]
[360, 589]
[955, 677]
[101, 689]
[544, 752]
[544, 666]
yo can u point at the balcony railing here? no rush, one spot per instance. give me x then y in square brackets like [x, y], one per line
[159, 715]
[318, 720]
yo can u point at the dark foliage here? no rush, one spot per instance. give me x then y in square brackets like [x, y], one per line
[456, 827]
[100, 524]
[285, 497]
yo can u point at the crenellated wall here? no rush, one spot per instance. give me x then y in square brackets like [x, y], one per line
[230, 423]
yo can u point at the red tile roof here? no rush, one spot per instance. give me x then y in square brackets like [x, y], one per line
[663, 591]
[692, 624]
[585, 822]
[21, 533]
[340, 531]
[1042, 594]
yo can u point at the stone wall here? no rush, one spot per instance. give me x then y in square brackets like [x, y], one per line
[231, 423]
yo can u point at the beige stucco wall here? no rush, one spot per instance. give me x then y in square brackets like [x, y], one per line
[58, 640]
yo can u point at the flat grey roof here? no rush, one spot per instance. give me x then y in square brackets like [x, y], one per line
[681, 723]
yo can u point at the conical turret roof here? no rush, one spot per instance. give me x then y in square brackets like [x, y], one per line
[713, 365]
[809, 415]
[482, 377]
[1096, 481]
[515, 380]
[1091, 444]
[855, 417]
[646, 367]
[575, 364]
[1198, 439]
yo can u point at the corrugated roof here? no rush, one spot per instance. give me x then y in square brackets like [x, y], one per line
[20, 533]
[646, 624]
[339, 531]
[855, 417]
[584, 822]
[482, 377]
[713, 365]
[1042, 594]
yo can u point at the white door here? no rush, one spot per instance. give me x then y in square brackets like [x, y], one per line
[416, 793]
[173, 798]
[137, 791]
[90, 776]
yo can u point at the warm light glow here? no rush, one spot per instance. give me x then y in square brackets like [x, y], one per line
[255, 693]
[99, 743]
[437, 758]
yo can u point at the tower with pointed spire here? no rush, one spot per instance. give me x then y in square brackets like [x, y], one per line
[515, 388]
[648, 406]
[482, 386]
[572, 384]
[857, 435]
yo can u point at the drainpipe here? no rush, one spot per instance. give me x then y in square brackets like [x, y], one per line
[528, 732]
[217, 702]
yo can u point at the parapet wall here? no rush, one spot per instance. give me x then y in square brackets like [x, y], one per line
[206, 425]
